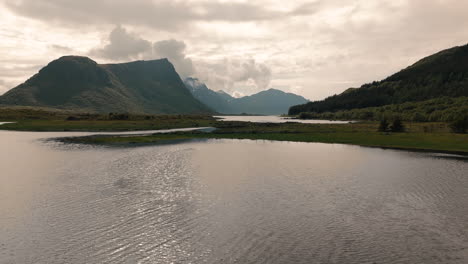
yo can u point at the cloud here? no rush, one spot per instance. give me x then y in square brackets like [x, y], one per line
[122, 45]
[12, 75]
[3, 87]
[321, 46]
[307, 8]
[174, 51]
[235, 75]
[251, 70]
[60, 48]
[162, 14]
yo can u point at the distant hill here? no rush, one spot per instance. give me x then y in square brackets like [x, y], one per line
[74, 82]
[444, 74]
[269, 102]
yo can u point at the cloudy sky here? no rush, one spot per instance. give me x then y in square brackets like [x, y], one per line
[313, 48]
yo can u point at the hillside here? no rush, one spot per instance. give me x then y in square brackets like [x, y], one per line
[219, 102]
[269, 102]
[444, 74]
[79, 83]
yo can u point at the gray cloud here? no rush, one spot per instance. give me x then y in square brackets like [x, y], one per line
[60, 48]
[11, 76]
[307, 8]
[122, 45]
[316, 47]
[3, 87]
[241, 76]
[163, 14]
[174, 51]
[17, 70]
[250, 69]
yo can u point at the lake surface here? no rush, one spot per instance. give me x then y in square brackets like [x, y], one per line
[228, 201]
[276, 119]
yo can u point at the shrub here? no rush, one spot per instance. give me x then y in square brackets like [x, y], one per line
[305, 115]
[460, 125]
[72, 118]
[383, 126]
[397, 125]
[118, 116]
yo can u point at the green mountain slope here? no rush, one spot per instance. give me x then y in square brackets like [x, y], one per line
[444, 74]
[79, 83]
[269, 102]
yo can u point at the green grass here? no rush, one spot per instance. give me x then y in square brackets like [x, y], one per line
[418, 136]
[363, 134]
[36, 119]
[104, 125]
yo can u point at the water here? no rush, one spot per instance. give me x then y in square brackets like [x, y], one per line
[3, 123]
[277, 119]
[228, 201]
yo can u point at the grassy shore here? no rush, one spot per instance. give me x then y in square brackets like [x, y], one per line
[417, 136]
[37, 119]
[108, 125]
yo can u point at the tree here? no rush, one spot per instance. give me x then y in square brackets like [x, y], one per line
[460, 125]
[383, 126]
[397, 125]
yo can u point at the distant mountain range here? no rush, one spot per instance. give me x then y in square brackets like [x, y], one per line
[444, 74]
[79, 83]
[269, 102]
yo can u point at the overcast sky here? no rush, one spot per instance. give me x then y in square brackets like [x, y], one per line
[313, 48]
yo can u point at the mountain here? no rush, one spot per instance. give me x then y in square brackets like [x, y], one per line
[444, 74]
[269, 102]
[74, 82]
[219, 102]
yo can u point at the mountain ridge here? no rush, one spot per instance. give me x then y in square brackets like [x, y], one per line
[77, 82]
[267, 102]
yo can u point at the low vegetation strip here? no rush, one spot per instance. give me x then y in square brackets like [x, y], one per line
[36, 119]
[356, 134]
[436, 136]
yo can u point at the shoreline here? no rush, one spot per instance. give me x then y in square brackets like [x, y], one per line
[422, 137]
[167, 138]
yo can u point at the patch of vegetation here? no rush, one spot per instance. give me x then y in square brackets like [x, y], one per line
[422, 136]
[415, 137]
[443, 109]
[37, 119]
[397, 126]
[460, 125]
[384, 125]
